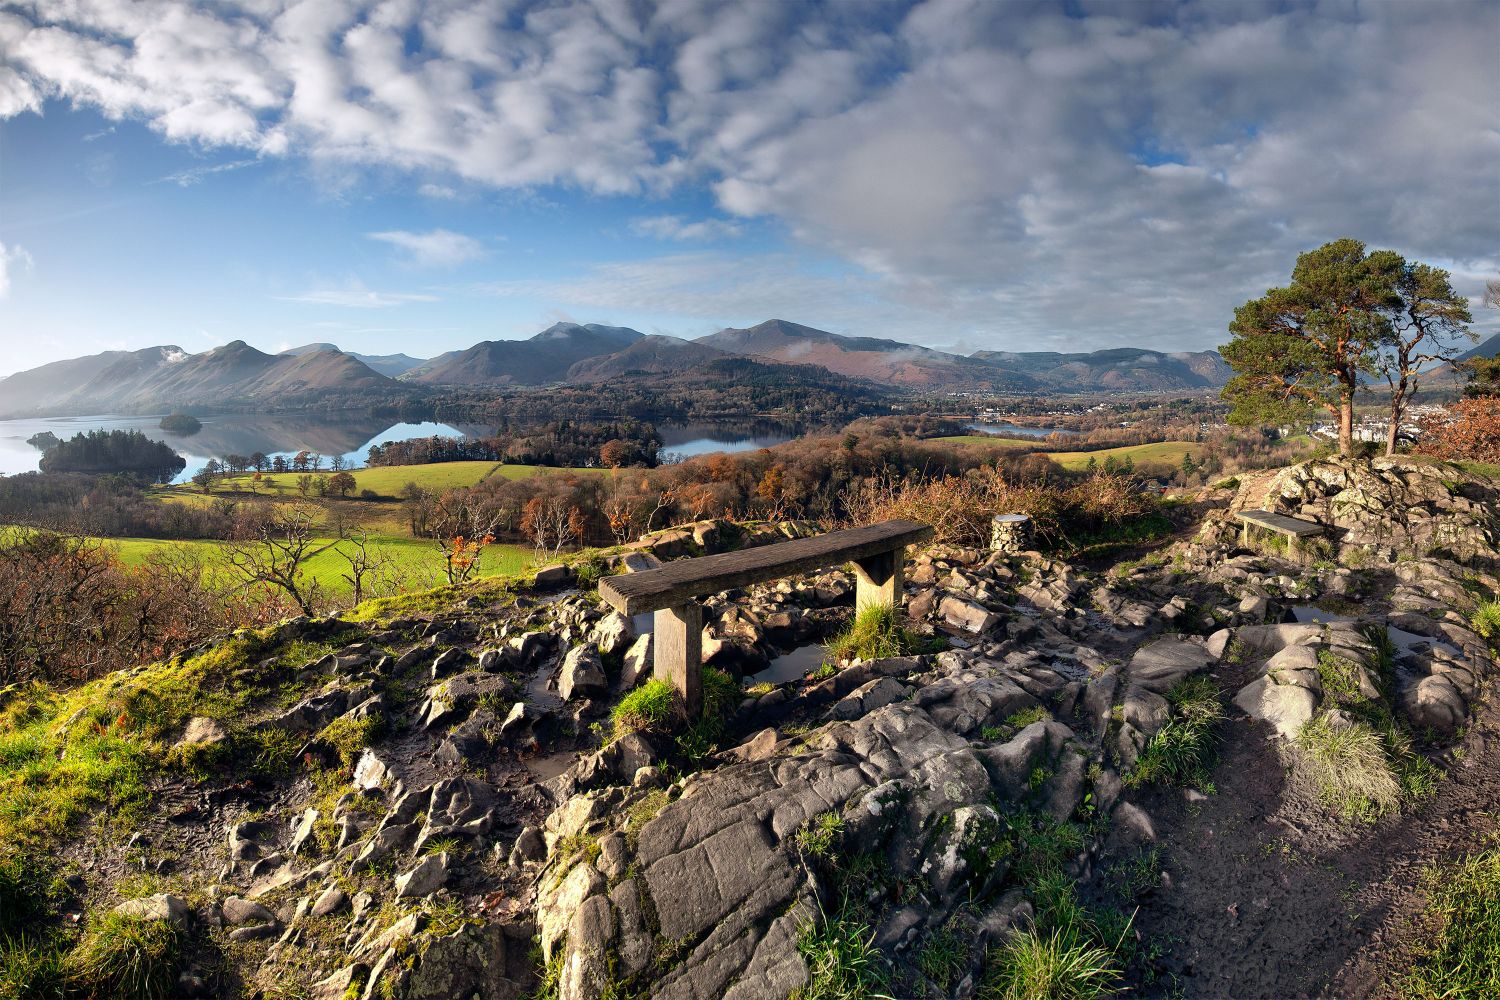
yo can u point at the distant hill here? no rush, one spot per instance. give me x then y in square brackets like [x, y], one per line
[1489, 348]
[541, 360]
[888, 362]
[653, 354]
[389, 365]
[166, 377]
[1120, 369]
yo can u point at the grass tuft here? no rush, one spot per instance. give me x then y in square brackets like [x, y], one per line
[821, 836]
[1182, 751]
[876, 632]
[648, 707]
[842, 960]
[1055, 966]
[126, 958]
[721, 696]
[1486, 621]
[1348, 766]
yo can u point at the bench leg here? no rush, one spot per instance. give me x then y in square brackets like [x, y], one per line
[678, 641]
[878, 581]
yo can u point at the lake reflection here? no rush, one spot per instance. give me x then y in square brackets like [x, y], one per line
[352, 437]
[228, 434]
[1016, 430]
[688, 440]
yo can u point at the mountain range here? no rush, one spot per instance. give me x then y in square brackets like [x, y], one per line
[239, 375]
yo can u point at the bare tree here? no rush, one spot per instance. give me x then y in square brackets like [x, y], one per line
[365, 563]
[277, 553]
[1428, 324]
[551, 523]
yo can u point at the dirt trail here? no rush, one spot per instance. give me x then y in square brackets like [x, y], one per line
[1267, 896]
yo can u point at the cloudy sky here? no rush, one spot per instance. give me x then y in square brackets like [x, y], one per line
[409, 176]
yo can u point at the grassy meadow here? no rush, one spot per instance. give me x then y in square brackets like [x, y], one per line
[1166, 452]
[416, 561]
[384, 482]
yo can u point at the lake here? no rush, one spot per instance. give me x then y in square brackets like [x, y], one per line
[688, 440]
[1015, 430]
[228, 434]
[286, 435]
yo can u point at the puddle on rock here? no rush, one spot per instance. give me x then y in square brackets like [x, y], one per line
[549, 766]
[537, 691]
[1401, 639]
[1311, 614]
[789, 666]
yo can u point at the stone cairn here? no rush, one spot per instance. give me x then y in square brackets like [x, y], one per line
[1010, 533]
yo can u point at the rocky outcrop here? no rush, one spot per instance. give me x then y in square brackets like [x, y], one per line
[1378, 511]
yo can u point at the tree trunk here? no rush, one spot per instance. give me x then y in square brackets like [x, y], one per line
[1346, 426]
[1398, 409]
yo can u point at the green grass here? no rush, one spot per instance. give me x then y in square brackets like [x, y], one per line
[385, 481]
[1459, 957]
[649, 706]
[414, 560]
[30, 969]
[821, 835]
[943, 958]
[1486, 621]
[1157, 452]
[1181, 752]
[875, 632]
[1349, 768]
[842, 960]
[1051, 966]
[126, 958]
[721, 696]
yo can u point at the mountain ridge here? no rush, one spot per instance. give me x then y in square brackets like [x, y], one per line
[238, 374]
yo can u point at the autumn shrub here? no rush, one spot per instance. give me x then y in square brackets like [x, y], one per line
[1467, 431]
[960, 507]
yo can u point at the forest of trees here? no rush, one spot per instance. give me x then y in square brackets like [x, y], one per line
[128, 452]
[563, 443]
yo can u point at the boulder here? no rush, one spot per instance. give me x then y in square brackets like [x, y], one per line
[582, 674]
[427, 877]
[1288, 707]
[1160, 665]
[613, 634]
[967, 615]
[203, 731]
[238, 910]
[162, 906]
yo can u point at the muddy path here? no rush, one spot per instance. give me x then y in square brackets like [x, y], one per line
[1265, 894]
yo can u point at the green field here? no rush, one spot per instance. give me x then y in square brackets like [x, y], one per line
[417, 561]
[1162, 452]
[385, 481]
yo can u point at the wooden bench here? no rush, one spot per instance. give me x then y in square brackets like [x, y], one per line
[672, 591]
[1294, 528]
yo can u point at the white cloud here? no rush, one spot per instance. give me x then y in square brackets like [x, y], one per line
[437, 248]
[354, 295]
[12, 259]
[1127, 175]
[438, 191]
[675, 227]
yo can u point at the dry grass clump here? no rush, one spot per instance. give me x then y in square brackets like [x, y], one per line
[960, 507]
[1349, 767]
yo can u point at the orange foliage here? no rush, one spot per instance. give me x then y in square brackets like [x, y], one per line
[1469, 430]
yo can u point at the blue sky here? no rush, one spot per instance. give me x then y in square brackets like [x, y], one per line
[399, 176]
